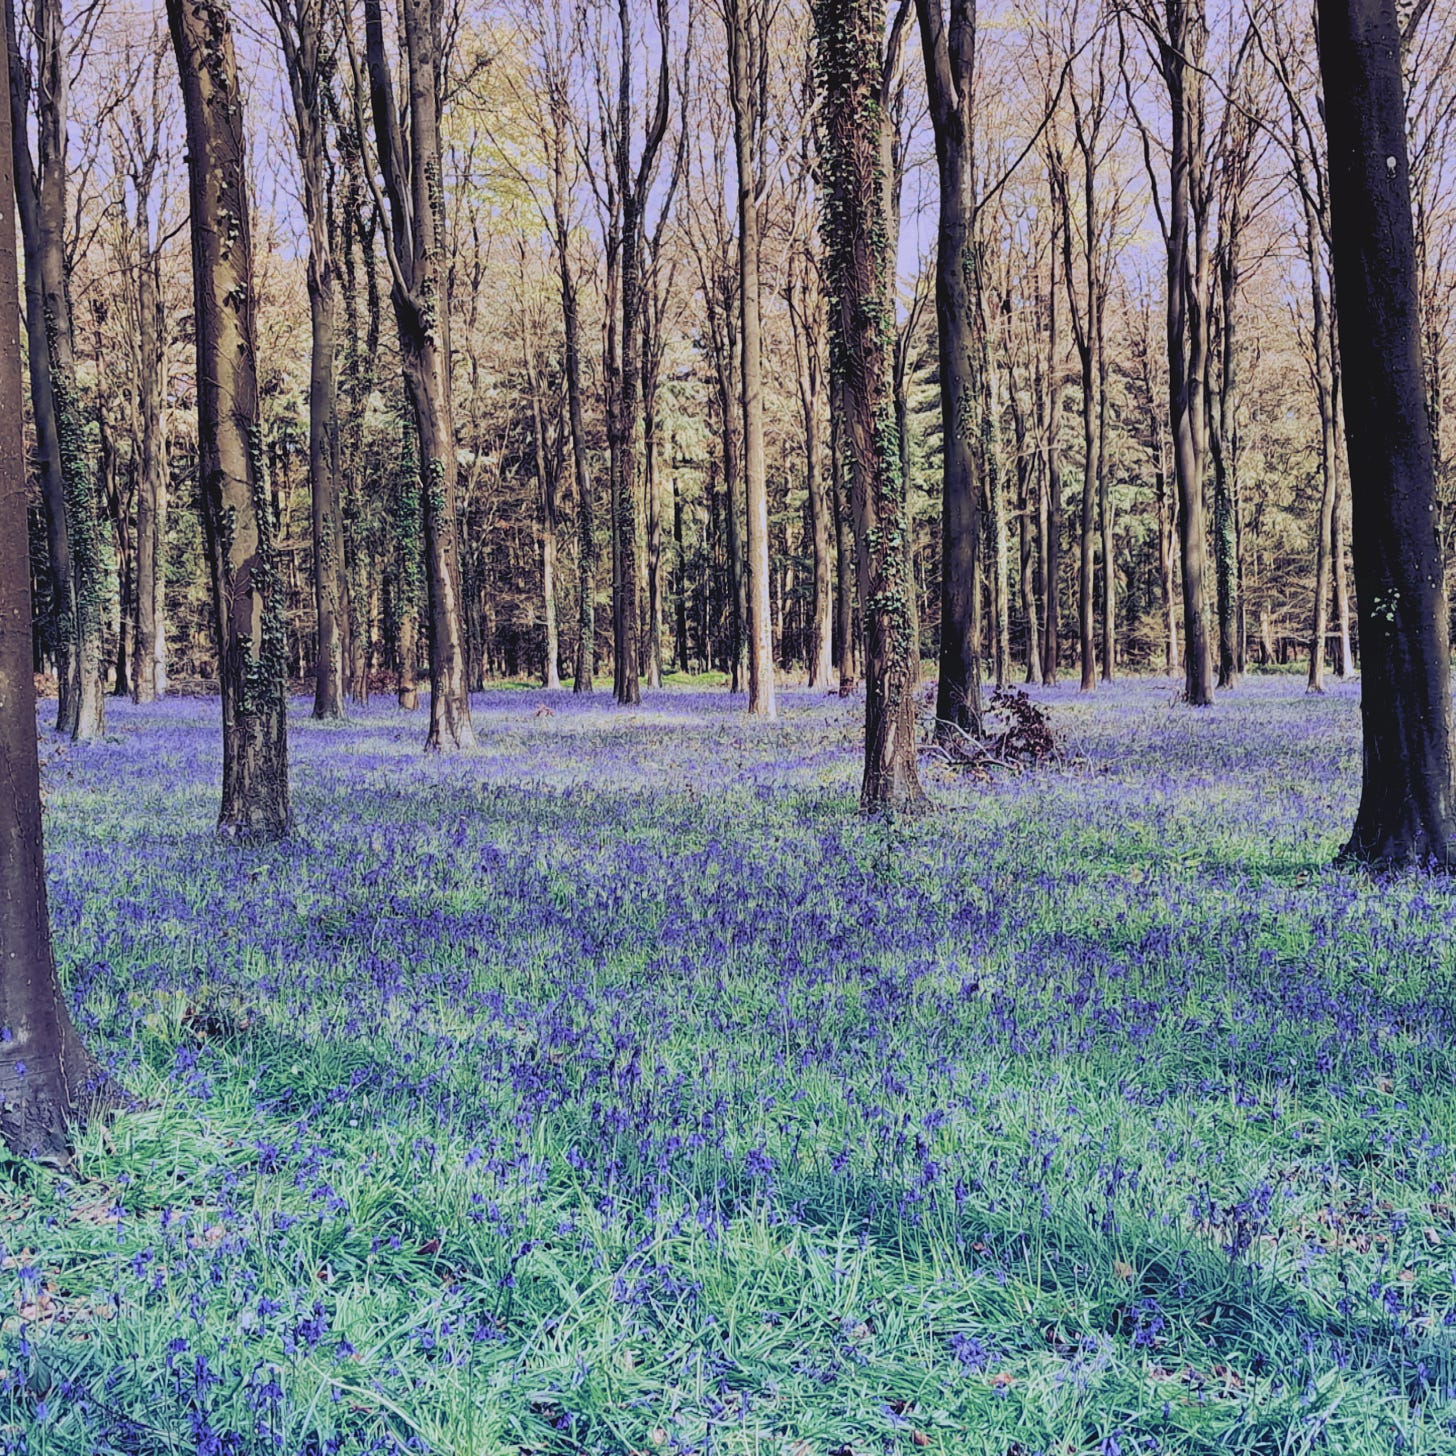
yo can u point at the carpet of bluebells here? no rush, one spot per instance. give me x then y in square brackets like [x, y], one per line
[615, 1088]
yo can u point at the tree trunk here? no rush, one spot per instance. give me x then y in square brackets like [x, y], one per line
[1085, 338]
[1167, 529]
[300, 31]
[47, 1078]
[1180, 54]
[1407, 811]
[546, 476]
[996, 516]
[1224, 440]
[949, 52]
[843, 533]
[330, 585]
[631, 184]
[360, 228]
[1104, 516]
[821, 530]
[856, 249]
[421, 309]
[747, 59]
[237, 516]
[727, 372]
[679, 581]
[821, 507]
[1086, 539]
[61, 617]
[1026, 494]
[586, 551]
[1344, 656]
[68, 487]
[1052, 529]
[148, 667]
[1322, 346]
[652, 507]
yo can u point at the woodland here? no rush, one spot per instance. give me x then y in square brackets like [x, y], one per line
[726, 727]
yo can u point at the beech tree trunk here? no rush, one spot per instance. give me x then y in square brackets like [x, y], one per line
[679, 581]
[1052, 508]
[1407, 811]
[1086, 336]
[47, 1077]
[1026, 522]
[300, 32]
[414, 190]
[747, 24]
[329, 581]
[843, 530]
[1180, 49]
[805, 313]
[236, 508]
[993, 476]
[1344, 654]
[546, 483]
[1225, 441]
[67, 484]
[629, 191]
[726, 362]
[652, 512]
[850, 62]
[149, 660]
[586, 554]
[949, 47]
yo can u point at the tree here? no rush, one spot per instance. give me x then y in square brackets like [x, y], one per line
[659, 276]
[356, 225]
[1236, 153]
[1050, 407]
[748, 24]
[307, 65]
[236, 506]
[142, 125]
[1088, 235]
[628, 186]
[1305, 149]
[47, 1077]
[1407, 811]
[856, 250]
[803, 297]
[549, 104]
[1176, 32]
[949, 44]
[710, 238]
[67, 482]
[413, 204]
[547, 465]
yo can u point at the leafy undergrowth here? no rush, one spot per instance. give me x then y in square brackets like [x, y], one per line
[616, 1089]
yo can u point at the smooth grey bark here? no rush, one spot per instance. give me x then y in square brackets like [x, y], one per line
[1407, 812]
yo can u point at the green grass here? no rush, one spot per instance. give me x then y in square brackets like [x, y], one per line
[616, 1089]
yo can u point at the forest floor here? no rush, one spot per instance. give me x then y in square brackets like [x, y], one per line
[615, 1088]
